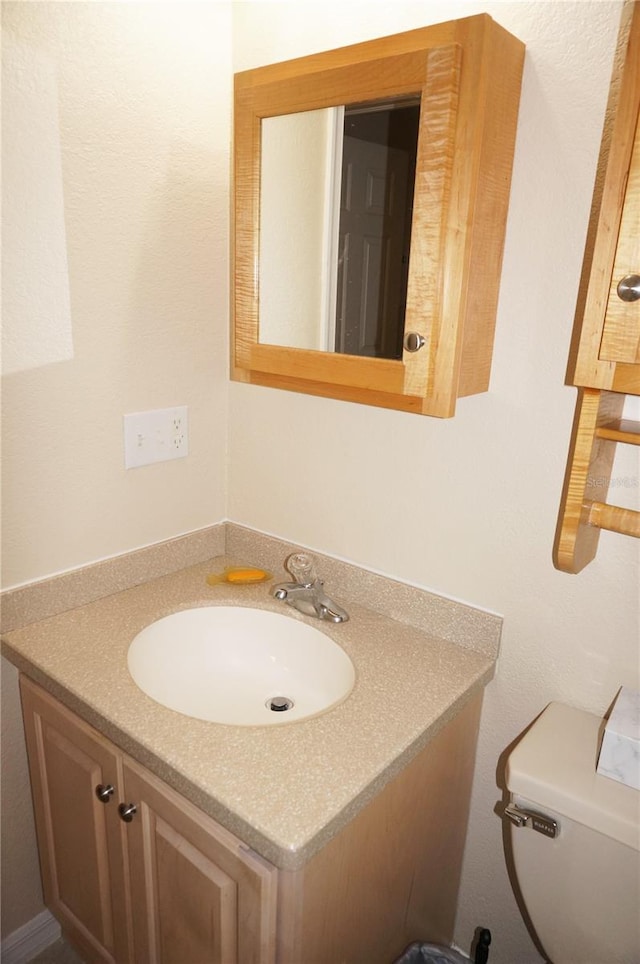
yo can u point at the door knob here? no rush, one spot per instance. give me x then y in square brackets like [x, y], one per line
[126, 811]
[629, 288]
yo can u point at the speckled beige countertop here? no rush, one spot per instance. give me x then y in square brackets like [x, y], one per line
[286, 789]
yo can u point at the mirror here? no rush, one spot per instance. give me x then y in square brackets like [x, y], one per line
[336, 203]
[370, 199]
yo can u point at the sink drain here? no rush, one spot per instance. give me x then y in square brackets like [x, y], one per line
[279, 704]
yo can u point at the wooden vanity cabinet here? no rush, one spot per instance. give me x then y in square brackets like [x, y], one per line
[171, 886]
[207, 897]
[80, 843]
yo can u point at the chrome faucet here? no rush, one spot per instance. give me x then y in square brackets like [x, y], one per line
[306, 593]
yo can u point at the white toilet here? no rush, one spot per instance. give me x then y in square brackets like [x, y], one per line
[575, 842]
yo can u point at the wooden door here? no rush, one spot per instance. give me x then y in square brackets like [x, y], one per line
[373, 250]
[198, 894]
[79, 836]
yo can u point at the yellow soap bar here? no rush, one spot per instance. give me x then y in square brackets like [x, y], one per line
[239, 576]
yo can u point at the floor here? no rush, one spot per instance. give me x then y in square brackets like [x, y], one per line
[58, 953]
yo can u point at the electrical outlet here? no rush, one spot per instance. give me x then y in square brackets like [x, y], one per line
[178, 432]
[155, 436]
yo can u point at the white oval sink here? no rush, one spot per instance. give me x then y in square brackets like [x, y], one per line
[229, 664]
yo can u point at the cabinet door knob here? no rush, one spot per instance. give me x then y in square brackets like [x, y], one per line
[629, 288]
[413, 341]
[126, 811]
[104, 792]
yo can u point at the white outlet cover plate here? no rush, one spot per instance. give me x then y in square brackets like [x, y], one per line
[156, 436]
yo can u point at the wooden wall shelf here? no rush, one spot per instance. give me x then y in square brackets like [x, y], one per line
[598, 429]
[622, 430]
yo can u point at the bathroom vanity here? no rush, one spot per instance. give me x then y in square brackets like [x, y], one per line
[143, 875]
[172, 839]
[151, 880]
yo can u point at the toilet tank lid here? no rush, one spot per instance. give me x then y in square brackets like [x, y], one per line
[554, 767]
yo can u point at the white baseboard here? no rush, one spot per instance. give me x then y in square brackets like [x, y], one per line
[455, 947]
[29, 940]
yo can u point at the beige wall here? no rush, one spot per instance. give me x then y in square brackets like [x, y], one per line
[466, 507]
[115, 239]
[295, 201]
[143, 108]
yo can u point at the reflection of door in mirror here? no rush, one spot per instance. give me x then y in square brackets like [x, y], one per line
[335, 222]
[378, 177]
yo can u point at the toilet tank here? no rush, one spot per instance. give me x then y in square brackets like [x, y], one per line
[581, 888]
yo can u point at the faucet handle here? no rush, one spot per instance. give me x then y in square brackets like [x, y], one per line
[302, 568]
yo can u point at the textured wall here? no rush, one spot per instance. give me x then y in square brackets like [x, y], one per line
[469, 506]
[293, 202]
[115, 245]
[136, 168]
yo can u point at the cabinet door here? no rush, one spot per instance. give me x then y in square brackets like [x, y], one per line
[79, 836]
[197, 893]
[621, 334]
[606, 351]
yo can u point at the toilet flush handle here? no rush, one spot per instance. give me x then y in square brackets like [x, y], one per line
[529, 818]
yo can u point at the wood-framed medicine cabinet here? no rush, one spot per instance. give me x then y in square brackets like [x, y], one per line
[604, 360]
[464, 76]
